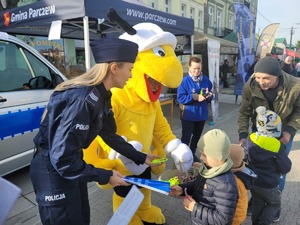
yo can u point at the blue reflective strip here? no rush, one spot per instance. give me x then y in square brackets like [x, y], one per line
[20, 122]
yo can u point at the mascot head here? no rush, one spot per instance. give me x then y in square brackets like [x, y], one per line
[156, 63]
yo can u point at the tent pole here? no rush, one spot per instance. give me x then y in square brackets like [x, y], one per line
[86, 43]
[192, 45]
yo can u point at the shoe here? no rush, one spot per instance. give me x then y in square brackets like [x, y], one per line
[276, 217]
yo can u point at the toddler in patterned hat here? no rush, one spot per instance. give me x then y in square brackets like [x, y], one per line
[267, 157]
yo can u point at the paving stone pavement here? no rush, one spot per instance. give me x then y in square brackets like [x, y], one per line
[25, 211]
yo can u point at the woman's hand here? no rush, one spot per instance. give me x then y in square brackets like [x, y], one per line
[117, 179]
[208, 95]
[150, 158]
[201, 98]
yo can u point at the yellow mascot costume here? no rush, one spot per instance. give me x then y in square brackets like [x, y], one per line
[140, 120]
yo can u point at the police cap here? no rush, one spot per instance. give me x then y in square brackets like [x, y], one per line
[114, 50]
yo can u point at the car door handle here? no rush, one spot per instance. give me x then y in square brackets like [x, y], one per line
[3, 99]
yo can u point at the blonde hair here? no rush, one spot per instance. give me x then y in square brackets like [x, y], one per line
[94, 76]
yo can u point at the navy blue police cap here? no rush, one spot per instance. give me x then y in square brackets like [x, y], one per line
[114, 50]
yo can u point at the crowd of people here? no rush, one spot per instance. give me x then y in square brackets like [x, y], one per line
[271, 110]
[79, 109]
[288, 65]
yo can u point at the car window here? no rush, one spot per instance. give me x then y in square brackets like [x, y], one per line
[14, 69]
[20, 70]
[39, 68]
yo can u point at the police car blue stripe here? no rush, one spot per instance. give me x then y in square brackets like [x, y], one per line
[20, 122]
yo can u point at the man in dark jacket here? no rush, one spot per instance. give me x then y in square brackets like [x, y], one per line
[277, 91]
[224, 72]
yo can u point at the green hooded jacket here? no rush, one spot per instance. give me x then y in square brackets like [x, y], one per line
[286, 105]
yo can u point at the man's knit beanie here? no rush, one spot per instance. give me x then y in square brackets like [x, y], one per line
[215, 144]
[268, 65]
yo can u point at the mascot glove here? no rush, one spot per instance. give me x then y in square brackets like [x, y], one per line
[128, 163]
[181, 154]
[172, 145]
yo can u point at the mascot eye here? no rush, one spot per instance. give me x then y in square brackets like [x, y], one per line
[159, 51]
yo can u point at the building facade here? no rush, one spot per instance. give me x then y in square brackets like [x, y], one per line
[213, 17]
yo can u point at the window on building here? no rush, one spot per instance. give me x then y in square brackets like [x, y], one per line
[247, 4]
[183, 10]
[230, 22]
[168, 6]
[210, 16]
[192, 12]
[200, 20]
[154, 4]
[219, 18]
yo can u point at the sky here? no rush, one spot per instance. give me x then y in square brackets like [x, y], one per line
[287, 13]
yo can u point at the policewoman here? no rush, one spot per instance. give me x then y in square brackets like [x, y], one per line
[78, 111]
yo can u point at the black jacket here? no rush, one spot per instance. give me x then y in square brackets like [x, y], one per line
[267, 157]
[216, 199]
[74, 118]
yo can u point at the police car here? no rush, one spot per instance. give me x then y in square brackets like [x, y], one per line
[27, 80]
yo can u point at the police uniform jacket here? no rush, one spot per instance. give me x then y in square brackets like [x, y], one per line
[74, 118]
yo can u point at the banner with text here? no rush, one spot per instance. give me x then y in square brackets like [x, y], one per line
[245, 31]
[213, 53]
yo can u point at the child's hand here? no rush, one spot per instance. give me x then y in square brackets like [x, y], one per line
[189, 202]
[175, 190]
[197, 164]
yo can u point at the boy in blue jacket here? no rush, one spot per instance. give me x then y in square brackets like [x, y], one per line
[267, 157]
[212, 197]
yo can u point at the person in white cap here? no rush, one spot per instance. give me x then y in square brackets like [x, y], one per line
[139, 116]
[286, 65]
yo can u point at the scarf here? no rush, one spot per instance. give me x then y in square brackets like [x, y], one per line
[196, 79]
[215, 171]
